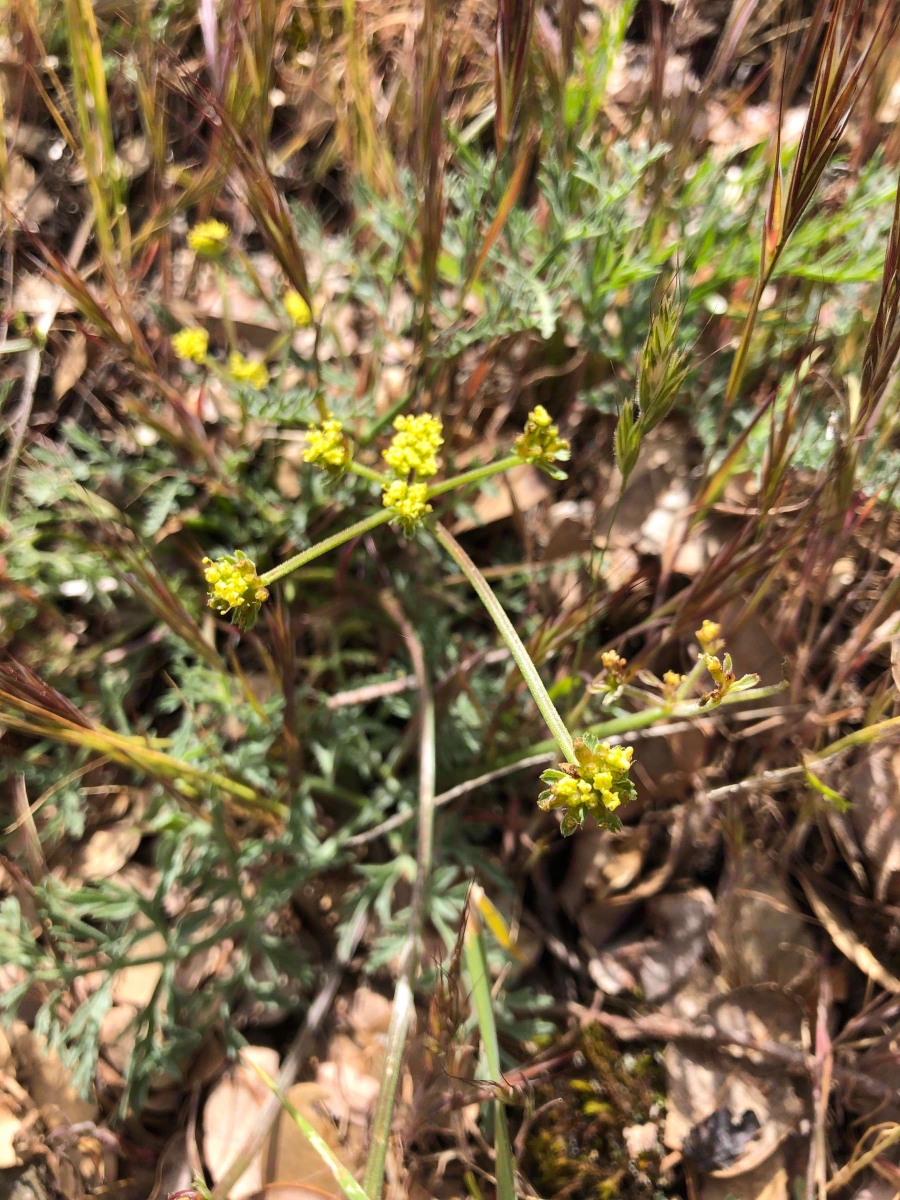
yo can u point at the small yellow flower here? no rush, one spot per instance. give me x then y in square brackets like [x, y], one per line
[244, 370]
[672, 681]
[541, 444]
[191, 344]
[235, 585]
[297, 309]
[326, 444]
[209, 239]
[708, 636]
[409, 502]
[414, 447]
[614, 664]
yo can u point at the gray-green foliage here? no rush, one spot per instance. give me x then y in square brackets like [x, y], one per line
[577, 266]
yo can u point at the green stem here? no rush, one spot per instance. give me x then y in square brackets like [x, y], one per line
[739, 363]
[330, 543]
[679, 712]
[369, 473]
[474, 476]
[480, 980]
[548, 710]
[381, 517]
[402, 1009]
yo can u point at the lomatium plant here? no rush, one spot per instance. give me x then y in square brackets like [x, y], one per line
[595, 777]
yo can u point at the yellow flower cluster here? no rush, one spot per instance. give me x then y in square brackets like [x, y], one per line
[597, 783]
[414, 446]
[235, 585]
[326, 444]
[297, 309]
[209, 238]
[408, 502]
[191, 344]
[244, 370]
[412, 457]
[541, 444]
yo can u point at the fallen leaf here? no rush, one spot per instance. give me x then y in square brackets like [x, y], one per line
[117, 1035]
[291, 1157]
[759, 934]
[874, 797]
[136, 985]
[36, 296]
[702, 1081]
[106, 851]
[174, 1172]
[768, 1181]
[45, 1078]
[229, 1114]
[682, 921]
[70, 365]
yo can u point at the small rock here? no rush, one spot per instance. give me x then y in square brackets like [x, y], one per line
[641, 1139]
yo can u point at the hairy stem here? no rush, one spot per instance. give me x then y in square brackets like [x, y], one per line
[401, 1012]
[547, 708]
[383, 516]
[329, 543]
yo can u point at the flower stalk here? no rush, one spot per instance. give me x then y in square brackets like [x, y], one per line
[522, 659]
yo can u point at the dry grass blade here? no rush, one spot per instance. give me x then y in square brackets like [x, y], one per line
[106, 180]
[431, 82]
[366, 145]
[513, 41]
[837, 85]
[32, 707]
[266, 202]
[403, 1005]
[883, 342]
[504, 208]
[847, 941]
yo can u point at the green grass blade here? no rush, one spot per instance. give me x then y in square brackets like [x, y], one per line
[476, 961]
[345, 1180]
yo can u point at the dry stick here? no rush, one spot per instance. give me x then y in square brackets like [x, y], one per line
[297, 1052]
[43, 325]
[785, 776]
[521, 764]
[402, 1009]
